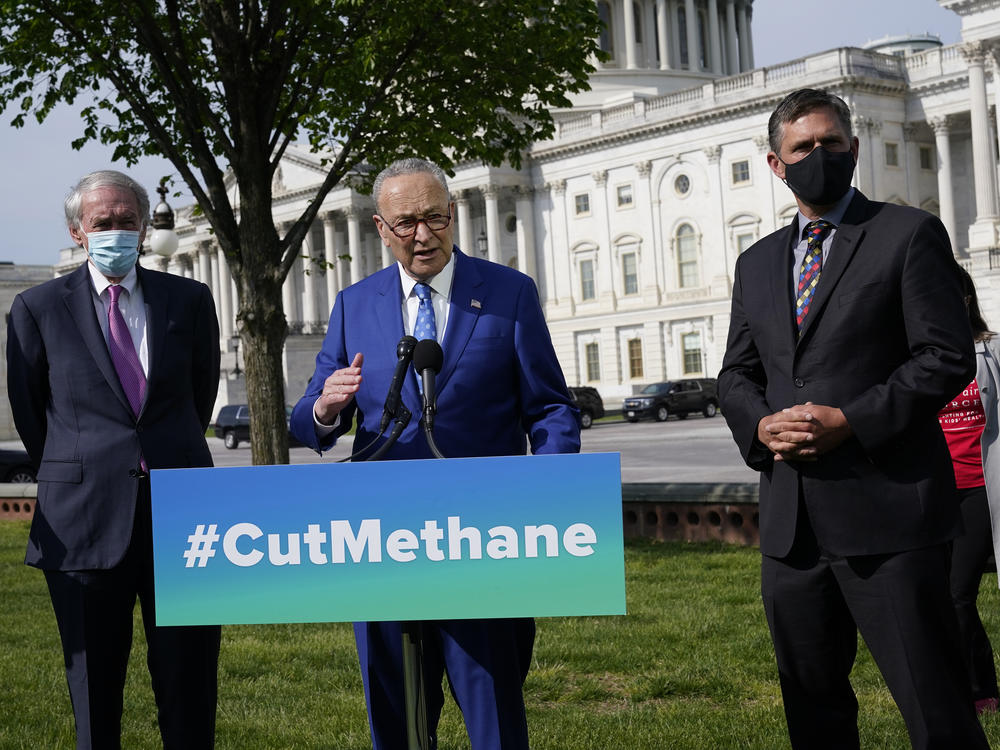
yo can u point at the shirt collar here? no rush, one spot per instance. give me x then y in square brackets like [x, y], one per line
[835, 215]
[440, 283]
[101, 282]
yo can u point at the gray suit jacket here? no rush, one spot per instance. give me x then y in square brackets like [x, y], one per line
[76, 423]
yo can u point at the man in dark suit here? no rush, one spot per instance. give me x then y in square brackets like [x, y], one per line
[500, 387]
[847, 334]
[113, 370]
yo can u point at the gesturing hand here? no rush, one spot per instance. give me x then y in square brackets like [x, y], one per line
[338, 390]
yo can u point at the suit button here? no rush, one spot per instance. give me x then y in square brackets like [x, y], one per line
[799, 382]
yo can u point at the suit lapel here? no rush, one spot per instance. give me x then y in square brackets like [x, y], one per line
[781, 281]
[79, 300]
[156, 302]
[389, 321]
[468, 296]
[845, 245]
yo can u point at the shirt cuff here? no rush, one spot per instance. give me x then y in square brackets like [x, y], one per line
[322, 430]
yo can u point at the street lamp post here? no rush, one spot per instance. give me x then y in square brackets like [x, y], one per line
[164, 239]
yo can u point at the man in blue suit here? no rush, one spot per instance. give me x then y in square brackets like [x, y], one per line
[113, 370]
[500, 387]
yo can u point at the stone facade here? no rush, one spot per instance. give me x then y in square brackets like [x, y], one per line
[631, 217]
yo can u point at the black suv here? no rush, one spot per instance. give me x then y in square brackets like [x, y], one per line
[680, 397]
[233, 425]
[589, 402]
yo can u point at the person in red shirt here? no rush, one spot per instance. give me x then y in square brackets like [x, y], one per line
[964, 421]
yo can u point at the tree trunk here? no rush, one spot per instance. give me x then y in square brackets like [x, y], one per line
[263, 330]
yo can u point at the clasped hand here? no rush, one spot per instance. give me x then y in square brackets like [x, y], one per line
[803, 432]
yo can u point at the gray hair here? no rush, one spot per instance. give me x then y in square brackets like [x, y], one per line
[104, 178]
[802, 102]
[412, 165]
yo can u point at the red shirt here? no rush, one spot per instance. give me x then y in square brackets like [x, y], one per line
[963, 421]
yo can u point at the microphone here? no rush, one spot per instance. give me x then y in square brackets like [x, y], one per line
[427, 360]
[404, 353]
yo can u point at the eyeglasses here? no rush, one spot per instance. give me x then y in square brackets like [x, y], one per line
[408, 227]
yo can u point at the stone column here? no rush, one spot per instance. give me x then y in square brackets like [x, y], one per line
[732, 43]
[748, 10]
[605, 269]
[492, 194]
[675, 34]
[187, 264]
[647, 259]
[691, 21]
[204, 273]
[354, 242]
[864, 178]
[628, 28]
[524, 207]
[225, 297]
[213, 258]
[288, 291]
[309, 312]
[715, 64]
[662, 34]
[558, 263]
[330, 255]
[983, 233]
[946, 194]
[465, 240]
[744, 36]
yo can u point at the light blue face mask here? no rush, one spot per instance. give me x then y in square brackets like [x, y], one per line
[113, 252]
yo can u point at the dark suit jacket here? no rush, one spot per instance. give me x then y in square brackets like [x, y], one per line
[76, 423]
[887, 340]
[500, 380]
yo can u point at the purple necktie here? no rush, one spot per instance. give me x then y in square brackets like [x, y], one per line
[123, 354]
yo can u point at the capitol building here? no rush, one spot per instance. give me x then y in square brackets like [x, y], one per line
[631, 217]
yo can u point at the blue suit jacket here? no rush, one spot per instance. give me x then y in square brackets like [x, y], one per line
[500, 385]
[75, 420]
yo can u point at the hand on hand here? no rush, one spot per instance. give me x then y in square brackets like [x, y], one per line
[803, 432]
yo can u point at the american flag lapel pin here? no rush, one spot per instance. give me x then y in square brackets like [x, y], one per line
[476, 304]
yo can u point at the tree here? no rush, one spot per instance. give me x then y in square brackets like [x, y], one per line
[229, 84]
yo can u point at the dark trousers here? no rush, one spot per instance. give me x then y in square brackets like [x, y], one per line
[93, 610]
[486, 662]
[969, 555]
[901, 603]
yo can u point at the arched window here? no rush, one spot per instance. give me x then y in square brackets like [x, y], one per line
[687, 256]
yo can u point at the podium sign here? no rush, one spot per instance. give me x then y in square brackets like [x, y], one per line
[518, 536]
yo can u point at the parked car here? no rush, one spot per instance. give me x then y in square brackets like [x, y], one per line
[233, 425]
[16, 466]
[589, 402]
[680, 397]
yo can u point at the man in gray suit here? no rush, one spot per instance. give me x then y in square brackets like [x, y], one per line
[113, 370]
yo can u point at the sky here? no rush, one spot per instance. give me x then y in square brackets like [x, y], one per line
[41, 167]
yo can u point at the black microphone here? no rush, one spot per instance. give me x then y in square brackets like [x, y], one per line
[427, 361]
[404, 353]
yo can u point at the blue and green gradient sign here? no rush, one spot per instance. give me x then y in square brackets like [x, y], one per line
[515, 536]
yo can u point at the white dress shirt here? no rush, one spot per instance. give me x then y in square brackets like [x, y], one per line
[132, 306]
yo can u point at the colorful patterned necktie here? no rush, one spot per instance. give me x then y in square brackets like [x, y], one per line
[425, 327]
[123, 355]
[812, 265]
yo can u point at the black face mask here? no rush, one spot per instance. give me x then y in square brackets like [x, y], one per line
[822, 178]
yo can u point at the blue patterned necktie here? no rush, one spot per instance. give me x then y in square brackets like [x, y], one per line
[812, 266]
[426, 327]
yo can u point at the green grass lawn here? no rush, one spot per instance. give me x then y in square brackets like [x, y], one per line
[689, 667]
